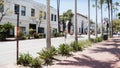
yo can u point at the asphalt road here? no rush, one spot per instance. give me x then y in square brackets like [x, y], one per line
[8, 49]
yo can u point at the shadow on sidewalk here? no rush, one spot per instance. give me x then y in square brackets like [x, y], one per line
[111, 46]
[87, 61]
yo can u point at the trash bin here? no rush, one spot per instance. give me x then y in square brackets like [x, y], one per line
[105, 36]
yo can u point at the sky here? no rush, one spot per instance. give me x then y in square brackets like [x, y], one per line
[82, 6]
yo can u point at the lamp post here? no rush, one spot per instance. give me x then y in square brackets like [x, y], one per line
[18, 30]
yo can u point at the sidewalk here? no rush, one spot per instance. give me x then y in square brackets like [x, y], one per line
[102, 55]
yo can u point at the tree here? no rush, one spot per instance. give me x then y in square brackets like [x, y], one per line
[116, 25]
[58, 10]
[4, 29]
[2, 11]
[101, 2]
[67, 16]
[96, 19]
[115, 8]
[48, 36]
[89, 19]
[76, 39]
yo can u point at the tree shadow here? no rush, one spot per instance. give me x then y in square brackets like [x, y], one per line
[86, 61]
[91, 62]
[113, 48]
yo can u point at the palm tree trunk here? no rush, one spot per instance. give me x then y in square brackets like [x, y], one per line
[88, 19]
[102, 19]
[111, 19]
[58, 9]
[96, 20]
[48, 39]
[76, 39]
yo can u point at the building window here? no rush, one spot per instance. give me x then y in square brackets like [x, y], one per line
[16, 8]
[44, 15]
[32, 12]
[51, 17]
[54, 17]
[23, 10]
[1, 8]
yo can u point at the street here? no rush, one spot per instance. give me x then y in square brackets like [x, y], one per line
[8, 49]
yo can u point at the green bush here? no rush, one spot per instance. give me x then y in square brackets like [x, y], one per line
[64, 50]
[22, 36]
[76, 46]
[24, 59]
[53, 50]
[99, 39]
[4, 29]
[88, 43]
[46, 56]
[36, 63]
[36, 35]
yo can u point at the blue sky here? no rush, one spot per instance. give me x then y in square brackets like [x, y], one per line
[82, 7]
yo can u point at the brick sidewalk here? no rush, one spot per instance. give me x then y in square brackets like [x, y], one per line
[102, 55]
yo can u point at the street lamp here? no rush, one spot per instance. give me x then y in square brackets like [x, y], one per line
[17, 37]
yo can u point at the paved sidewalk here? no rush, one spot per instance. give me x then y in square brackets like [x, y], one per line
[102, 55]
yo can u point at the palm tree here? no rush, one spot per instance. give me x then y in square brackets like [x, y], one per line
[58, 9]
[96, 20]
[101, 7]
[111, 18]
[108, 5]
[89, 19]
[76, 39]
[48, 39]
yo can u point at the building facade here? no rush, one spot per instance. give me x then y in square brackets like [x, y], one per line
[32, 15]
[82, 23]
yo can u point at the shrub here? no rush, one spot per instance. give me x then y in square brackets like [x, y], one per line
[53, 50]
[47, 57]
[64, 50]
[22, 36]
[36, 63]
[24, 59]
[76, 46]
[36, 35]
[99, 39]
[92, 40]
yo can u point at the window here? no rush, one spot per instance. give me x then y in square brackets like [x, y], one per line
[51, 17]
[23, 10]
[1, 8]
[16, 8]
[44, 15]
[54, 17]
[32, 12]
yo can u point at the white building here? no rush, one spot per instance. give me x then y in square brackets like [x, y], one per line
[82, 23]
[31, 14]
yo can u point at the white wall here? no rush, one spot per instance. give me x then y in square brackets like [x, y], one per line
[80, 19]
[26, 20]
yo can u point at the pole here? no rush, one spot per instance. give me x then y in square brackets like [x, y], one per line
[17, 35]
